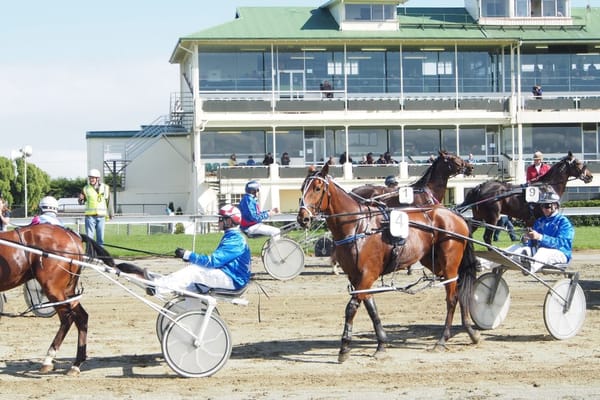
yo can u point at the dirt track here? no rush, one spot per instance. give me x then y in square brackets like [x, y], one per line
[292, 352]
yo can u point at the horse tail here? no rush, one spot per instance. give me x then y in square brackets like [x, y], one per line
[467, 274]
[94, 250]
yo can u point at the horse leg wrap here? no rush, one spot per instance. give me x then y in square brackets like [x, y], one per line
[372, 310]
[50, 356]
[351, 309]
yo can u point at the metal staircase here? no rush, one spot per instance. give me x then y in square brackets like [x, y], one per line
[146, 137]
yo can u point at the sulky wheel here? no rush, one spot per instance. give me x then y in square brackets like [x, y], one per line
[175, 306]
[489, 308]
[561, 323]
[1, 304]
[191, 353]
[323, 247]
[283, 259]
[34, 295]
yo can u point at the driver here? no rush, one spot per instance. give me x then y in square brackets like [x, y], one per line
[228, 267]
[391, 182]
[551, 239]
[48, 212]
[253, 217]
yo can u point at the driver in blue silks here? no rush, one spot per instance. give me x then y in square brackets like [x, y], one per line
[228, 267]
[253, 216]
[550, 241]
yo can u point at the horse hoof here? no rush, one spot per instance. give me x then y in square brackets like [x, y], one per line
[74, 371]
[440, 347]
[343, 357]
[475, 337]
[46, 368]
[380, 355]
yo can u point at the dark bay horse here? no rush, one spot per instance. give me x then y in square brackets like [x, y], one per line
[58, 278]
[429, 189]
[492, 198]
[438, 238]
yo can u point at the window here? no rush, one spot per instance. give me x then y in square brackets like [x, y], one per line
[370, 12]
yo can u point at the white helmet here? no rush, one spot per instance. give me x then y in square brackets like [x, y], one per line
[94, 173]
[49, 203]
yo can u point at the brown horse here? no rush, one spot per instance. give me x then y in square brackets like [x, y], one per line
[492, 198]
[428, 190]
[438, 238]
[57, 277]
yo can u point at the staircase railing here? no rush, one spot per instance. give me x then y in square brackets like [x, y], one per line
[146, 137]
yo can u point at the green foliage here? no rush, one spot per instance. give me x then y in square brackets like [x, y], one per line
[63, 187]
[179, 228]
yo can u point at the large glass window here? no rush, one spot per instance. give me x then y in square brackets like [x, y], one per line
[429, 71]
[366, 71]
[472, 141]
[367, 140]
[495, 8]
[476, 72]
[235, 71]
[421, 143]
[221, 144]
[552, 140]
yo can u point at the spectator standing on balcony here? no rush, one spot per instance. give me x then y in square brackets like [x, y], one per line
[538, 168]
[537, 92]
[285, 158]
[326, 88]
[268, 160]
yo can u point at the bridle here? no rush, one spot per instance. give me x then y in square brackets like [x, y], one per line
[318, 206]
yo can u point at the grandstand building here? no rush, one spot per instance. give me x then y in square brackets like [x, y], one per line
[359, 77]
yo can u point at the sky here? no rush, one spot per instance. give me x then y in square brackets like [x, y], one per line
[72, 66]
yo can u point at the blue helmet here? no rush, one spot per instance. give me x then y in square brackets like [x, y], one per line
[252, 186]
[390, 181]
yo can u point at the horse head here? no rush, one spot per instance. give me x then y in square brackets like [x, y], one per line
[315, 196]
[455, 165]
[578, 169]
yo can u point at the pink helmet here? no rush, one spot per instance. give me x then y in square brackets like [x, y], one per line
[232, 212]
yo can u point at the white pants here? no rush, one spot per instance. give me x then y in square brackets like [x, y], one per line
[261, 229]
[186, 277]
[543, 254]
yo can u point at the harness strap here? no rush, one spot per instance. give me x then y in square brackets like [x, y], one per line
[350, 239]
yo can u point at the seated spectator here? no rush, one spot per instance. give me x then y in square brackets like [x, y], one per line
[327, 89]
[250, 160]
[232, 160]
[268, 160]
[285, 159]
[381, 160]
[344, 158]
[388, 158]
[369, 158]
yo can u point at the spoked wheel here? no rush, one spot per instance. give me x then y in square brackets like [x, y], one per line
[192, 353]
[34, 295]
[177, 305]
[283, 259]
[564, 324]
[490, 301]
[1, 304]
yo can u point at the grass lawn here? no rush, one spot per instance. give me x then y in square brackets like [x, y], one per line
[135, 242]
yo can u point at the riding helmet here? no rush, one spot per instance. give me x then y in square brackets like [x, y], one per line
[49, 203]
[232, 212]
[252, 186]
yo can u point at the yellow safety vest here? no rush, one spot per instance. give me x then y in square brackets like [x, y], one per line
[96, 202]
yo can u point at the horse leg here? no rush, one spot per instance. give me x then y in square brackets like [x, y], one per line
[379, 331]
[451, 300]
[67, 316]
[351, 309]
[487, 235]
[81, 322]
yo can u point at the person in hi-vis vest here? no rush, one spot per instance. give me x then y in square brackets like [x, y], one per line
[96, 195]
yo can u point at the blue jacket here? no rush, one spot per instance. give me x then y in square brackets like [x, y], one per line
[251, 212]
[232, 255]
[558, 233]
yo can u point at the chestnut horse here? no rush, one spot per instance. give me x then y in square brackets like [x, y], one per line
[437, 237]
[428, 190]
[58, 278]
[490, 199]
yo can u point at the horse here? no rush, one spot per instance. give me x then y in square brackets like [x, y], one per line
[438, 238]
[490, 199]
[428, 190]
[58, 278]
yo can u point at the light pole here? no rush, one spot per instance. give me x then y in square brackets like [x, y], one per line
[24, 153]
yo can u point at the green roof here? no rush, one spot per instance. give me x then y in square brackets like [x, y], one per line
[314, 25]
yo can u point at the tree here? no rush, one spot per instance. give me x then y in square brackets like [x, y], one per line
[7, 175]
[63, 187]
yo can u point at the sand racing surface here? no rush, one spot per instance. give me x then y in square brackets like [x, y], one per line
[291, 353]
